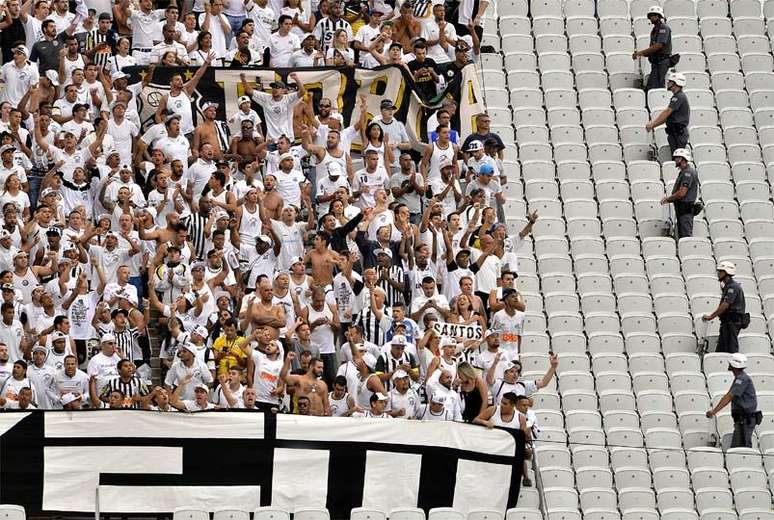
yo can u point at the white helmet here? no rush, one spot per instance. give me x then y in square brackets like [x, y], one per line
[727, 267]
[656, 9]
[682, 152]
[737, 361]
[677, 77]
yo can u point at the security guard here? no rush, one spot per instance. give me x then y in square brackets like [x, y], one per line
[683, 193]
[677, 115]
[659, 50]
[744, 403]
[731, 309]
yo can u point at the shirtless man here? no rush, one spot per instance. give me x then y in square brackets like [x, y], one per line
[245, 147]
[406, 26]
[208, 132]
[264, 314]
[308, 385]
[323, 259]
[160, 235]
[272, 201]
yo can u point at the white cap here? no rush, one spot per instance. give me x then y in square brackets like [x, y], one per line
[189, 347]
[53, 77]
[203, 387]
[202, 331]
[728, 267]
[69, 398]
[677, 77]
[57, 335]
[475, 145]
[682, 152]
[399, 374]
[243, 99]
[737, 361]
[448, 342]
[398, 339]
[439, 397]
[107, 337]
[118, 75]
[335, 169]
[656, 9]
[381, 397]
[383, 251]
[285, 156]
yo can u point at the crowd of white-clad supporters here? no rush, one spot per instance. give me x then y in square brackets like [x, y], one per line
[280, 271]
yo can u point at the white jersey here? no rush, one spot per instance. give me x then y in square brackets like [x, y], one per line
[409, 402]
[510, 328]
[498, 419]
[181, 105]
[323, 336]
[338, 406]
[266, 376]
[438, 155]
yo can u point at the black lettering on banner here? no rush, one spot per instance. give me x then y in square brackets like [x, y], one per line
[456, 330]
[238, 460]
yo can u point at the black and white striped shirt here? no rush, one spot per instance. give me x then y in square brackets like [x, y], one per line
[386, 364]
[127, 345]
[195, 223]
[326, 28]
[130, 388]
[393, 295]
[93, 39]
[372, 331]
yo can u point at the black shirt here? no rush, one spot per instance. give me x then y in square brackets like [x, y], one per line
[690, 180]
[10, 36]
[424, 82]
[732, 294]
[662, 34]
[681, 111]
[483, 137]
[46, 53]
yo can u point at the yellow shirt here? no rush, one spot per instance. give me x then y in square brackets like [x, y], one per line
[233, 354]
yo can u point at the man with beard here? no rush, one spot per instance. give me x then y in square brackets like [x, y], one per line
[332, 152]
[71, 380]
[210, 131]
[245, 146]
[271, 200]
[187, 363]
[263, 371]
[308, 386]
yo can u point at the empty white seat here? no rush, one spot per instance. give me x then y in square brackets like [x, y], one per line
[272, 513]
[229, 513]
[713, 498]
[484, 514]
[523, 514]
[445, 513]
[636, 498]
[364, 513]
[14, 512]
[407, 513]
[561, 498]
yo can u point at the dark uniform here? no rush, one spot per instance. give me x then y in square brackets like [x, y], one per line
[684, 207]
[678, 120]
[743, 408]
[731, 320]
[659, 62]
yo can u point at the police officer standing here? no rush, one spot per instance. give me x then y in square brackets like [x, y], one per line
[683, 193]
[744, 403]
[731, 309]
[659, 50]
[677, 115]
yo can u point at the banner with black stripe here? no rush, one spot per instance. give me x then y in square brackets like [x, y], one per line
[150, 462]
[342, 86]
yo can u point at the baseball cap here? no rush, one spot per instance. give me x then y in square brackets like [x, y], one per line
[475, 145]
[509, 292]
[445, 163]
[375, 10]
[399, 374]
[22, 49]
[4, 233]
[8, 287]
[69, 397]
[438, 397]
[53, 77]
[189, 347]
[285, 156]
[104, 16]
[201, 330]
[118, 75]
[107, 337]
[378, 396]
[202, 386]
[170, 117]
[264, 238]
[39, 348]
[48, 191]
[7, 148]
[486, 169]
[243, 99]
[448, 342]
[277, 84]
[295, 260]
[209, 104]
[57, 335]
[737, 361]
[387, 103]
[398, 339]
[384, 251]
[335, 169]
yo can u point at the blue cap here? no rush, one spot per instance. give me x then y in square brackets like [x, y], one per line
[486, 169]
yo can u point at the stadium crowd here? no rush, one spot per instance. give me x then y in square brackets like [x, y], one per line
[279, 268]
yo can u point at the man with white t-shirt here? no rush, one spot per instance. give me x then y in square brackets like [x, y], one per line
[509, 322]
[263, 371]
[441, 35]
[123, 132]
[144, 22]
[368, 180]
[104, 365]
[19, 76]
[215, 22]
[277, 106]
[367, 34]
[283, 43]
[187, 363]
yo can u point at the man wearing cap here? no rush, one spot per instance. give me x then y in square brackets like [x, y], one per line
[187, 364]
[677, 115]
[42, 378]
[277, 106]
[684, 193]
[19, 75]
[484, 181]
[482, 133]
[404, 401]
[477, 158]
[744, 403]
[307, 55]
[328, 186]
[437, 410]
[659, 49]
[394, 359]
[378, 403]
[396, 130]
[200, 402]
[408, 187]
[104, 364]
[512, 382]
[731, 309]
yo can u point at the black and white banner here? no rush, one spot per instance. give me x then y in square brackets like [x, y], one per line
[150, 462]
[342, 86]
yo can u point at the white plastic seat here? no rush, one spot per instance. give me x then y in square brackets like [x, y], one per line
[710, 498]
[272, 513]
[407, 513]
[636, 498]
[663, 438]
[561, 498]
[484, 514]
[181, 513]
[523, 514]
[598, 498]
[14, 512]
[364, 513]
[229, 513]
[445, 513]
